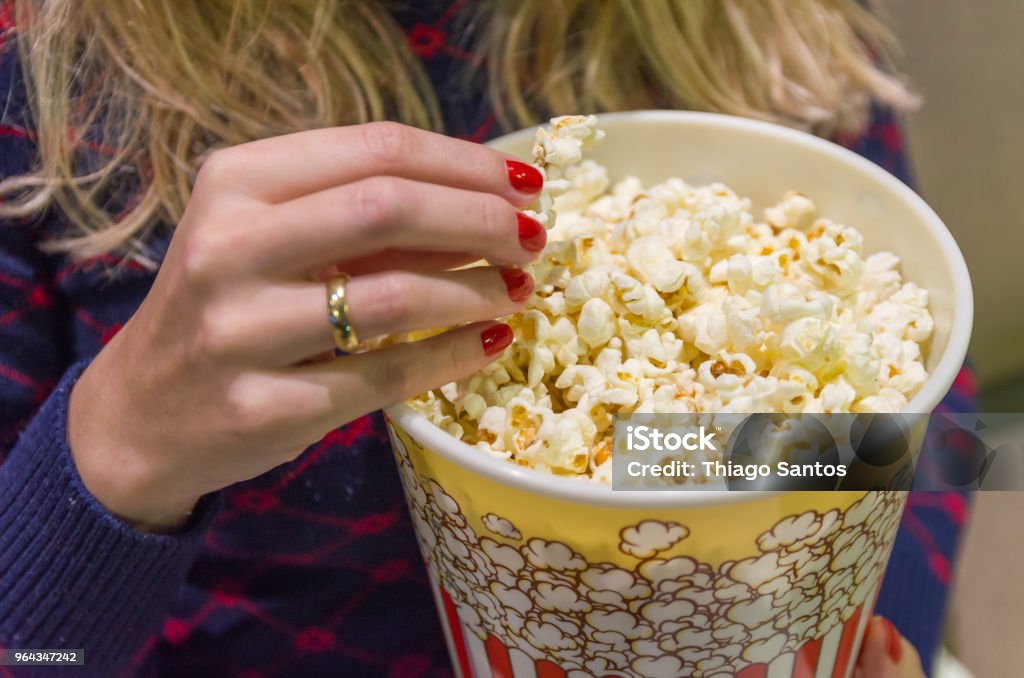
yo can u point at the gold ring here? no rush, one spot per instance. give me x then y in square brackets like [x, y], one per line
[337, 313]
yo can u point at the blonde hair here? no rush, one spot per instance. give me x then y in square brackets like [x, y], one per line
[137, 92]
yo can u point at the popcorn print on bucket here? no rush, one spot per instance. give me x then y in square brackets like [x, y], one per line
[532, 602]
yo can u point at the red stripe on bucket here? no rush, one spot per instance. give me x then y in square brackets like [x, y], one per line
[806, 662]
[754, 671]
[546, 669]
[497, 657]
[846, 645]
[457, 638]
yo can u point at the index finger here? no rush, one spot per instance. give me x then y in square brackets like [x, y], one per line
[282, 168]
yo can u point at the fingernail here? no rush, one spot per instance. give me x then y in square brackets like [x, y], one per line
[518, 283]
[524, 178]
[892, 642]
[531, 234]
[496, 338]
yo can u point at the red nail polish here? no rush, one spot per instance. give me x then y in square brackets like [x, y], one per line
[524, 178]
[532, 235]
[518, 283]
[496, 338]
[892, 641]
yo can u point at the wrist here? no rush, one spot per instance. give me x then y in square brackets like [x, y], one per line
[119, 477]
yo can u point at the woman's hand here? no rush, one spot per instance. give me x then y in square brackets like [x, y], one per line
[884, 653]
[211, 381]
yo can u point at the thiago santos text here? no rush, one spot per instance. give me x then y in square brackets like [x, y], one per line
[646, 438]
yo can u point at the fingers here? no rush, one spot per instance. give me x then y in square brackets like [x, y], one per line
[358, 220]
[286, 167]
[402, 261]
[391, 302]
[349, 387]
[886, 654]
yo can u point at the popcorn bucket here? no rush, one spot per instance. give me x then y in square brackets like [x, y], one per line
[542, 576]
[531, 584]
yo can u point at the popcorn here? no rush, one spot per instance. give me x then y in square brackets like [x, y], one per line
[904, 314]
[591, 284]
[809, 342]
[597, 322]
[704, 326]
[781, 304]
[675, 298]
[559, 148]
[833, 253]
[795, 211]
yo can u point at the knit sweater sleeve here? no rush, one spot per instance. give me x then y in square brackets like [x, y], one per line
[71, 574]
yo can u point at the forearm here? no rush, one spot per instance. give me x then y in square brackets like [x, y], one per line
[71, 574]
